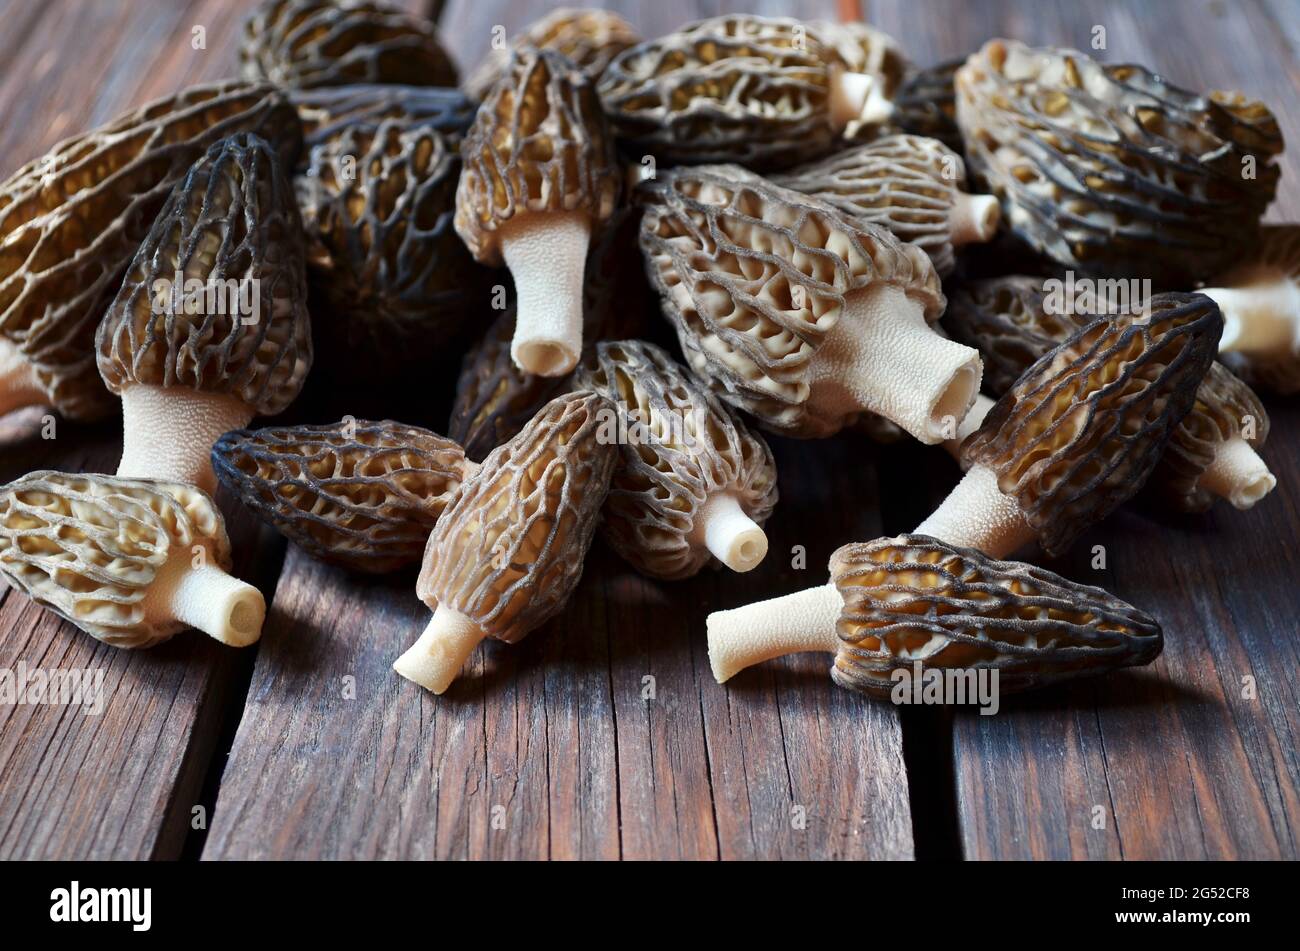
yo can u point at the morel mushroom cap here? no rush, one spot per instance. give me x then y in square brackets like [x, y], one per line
[508, 551]
[1014, 320]
[926, 104]
[1110, 168]
[588, 38]
[540, 175]
[692, 481]
[866, 51]
[362, 494]
[129, 561]
[765, 93]
[327, 111]
[307, 43]
[911, 185]
[377, 203]
[895, 603]
[796, 314]
[71, 221]
[1260, 300]
[1081, 430]
[210, 324]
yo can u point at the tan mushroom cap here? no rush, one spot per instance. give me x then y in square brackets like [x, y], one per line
[67, 244]
[911, 185]
[1081, 430]
[362, 494]
[309, 43]
[129, 561]
[693, 483]
[894, 604]
[588, 38]
[796, 314]
[509, 549]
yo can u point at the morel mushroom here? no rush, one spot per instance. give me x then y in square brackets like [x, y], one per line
[895, 603]
[540, 177]
[692, 481]
[764, 93]
[508, 551]
[1014, 320]
[129, 561]
[796, 314]
[327, 111]
[361, 494]
[864, 50]
[210, 325]
[926, 104]
[1080, 431]
[1110, 168]
[68, 232]
[911, 185]
[395, 280]
[590, 39]
[1260, 300]
[308, 43]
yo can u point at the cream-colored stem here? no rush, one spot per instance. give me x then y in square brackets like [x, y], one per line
[1260, 320]
[168, 432]
[1238, 474]
[547, 257]
[973, 421]
[207, 599]
[882, 356]
[973, 218]
[977, 515]
[19, 386]
[857, 96]
[796, 623]
[436, 659]
[732, 536]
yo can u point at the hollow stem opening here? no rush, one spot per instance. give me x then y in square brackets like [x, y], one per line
[207, 599]
[973, 218]
[1238, 474]
[857, 96]
[547, 257]
[437, 658]
[733, 537]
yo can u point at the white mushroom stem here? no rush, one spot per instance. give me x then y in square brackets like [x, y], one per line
[857, 96]
[1259, 320]
[207, 599]
[973, 218]
[973, 421]
[977, 515]
[168, 432]
[1238, 474]
[796, 623]
[19, 386]
[547, 257]
[733, 537]
[882, 356]
[436, 659]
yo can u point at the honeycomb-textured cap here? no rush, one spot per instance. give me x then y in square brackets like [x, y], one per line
[328, 110]
[307, 43]
[1111, 169]
[736, 88]
[88, 547]
[1083, 427]
[232, 226]
[539, 143]
[683, 449]
[926, 104]
[71, 221]
[590, 39]
[906, 183]
[917, 599]
[509, 549]
[394, 280]
[362, 494]
[753, 276]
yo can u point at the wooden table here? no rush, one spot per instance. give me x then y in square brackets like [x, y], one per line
[603, 735]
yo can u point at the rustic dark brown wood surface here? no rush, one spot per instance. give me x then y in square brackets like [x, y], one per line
[603, 735]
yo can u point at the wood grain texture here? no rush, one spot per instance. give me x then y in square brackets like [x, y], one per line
[120, 784]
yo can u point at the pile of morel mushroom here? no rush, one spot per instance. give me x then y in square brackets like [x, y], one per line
[645, 254]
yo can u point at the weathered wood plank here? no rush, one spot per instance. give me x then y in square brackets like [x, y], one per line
[120, 784]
